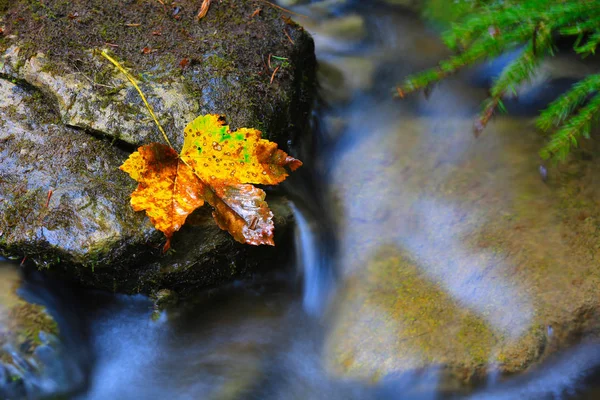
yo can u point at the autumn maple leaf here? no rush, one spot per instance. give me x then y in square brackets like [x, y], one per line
[215, 165]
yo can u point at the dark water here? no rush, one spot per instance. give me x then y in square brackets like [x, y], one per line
[266, 339]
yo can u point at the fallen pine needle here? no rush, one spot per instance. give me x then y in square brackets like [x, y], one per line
[400, 92]
[50, 191]
[256, 12]
[274, 72]
[288, 36]
[135, 85]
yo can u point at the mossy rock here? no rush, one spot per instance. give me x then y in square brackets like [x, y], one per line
[404, 321]
[85, 229]
[69, 120]
[222, 64]
[458, 255]
[21, 322]
[32, 360]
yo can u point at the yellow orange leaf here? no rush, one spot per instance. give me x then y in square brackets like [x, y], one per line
[218, 166]
[243, 212]
[219, 155]
[168, 189]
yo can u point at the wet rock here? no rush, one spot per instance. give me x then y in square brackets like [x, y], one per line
[33, 362]
[188, 68]
[349, 27]
[65, 206]
[337, 33]
[359, 71]
[341, 77]
[319, 10]
[457, 258]
[69, 119]
[332, 82]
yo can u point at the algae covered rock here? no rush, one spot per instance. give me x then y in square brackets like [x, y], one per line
[458, 257]
[69, 119]
[33, 361]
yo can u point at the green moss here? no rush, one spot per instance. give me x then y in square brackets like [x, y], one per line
[22, 322]
[418, 323]
[30, 320]
[220, 66]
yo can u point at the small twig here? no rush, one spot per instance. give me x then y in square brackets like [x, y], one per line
[163, 4]
[269, 62]
[92, 81]
[485, 116]
[262, 57]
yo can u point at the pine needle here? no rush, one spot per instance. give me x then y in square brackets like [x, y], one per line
[131, 79]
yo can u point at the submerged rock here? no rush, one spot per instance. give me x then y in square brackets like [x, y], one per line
[457, 257]
[69, 119]
[33, 362]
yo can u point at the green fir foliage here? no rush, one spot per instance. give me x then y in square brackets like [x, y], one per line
[489, 28]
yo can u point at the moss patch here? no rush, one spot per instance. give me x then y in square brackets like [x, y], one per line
[21, 322]
[397, 319]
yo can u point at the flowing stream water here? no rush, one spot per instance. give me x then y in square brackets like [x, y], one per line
[387, 175]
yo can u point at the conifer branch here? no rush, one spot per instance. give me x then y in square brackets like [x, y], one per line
[589, 47]
[519, 71]
[568, 135]
[493, 27]
[560, 109]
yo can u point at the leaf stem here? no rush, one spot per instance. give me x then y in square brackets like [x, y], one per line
[131, 79]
